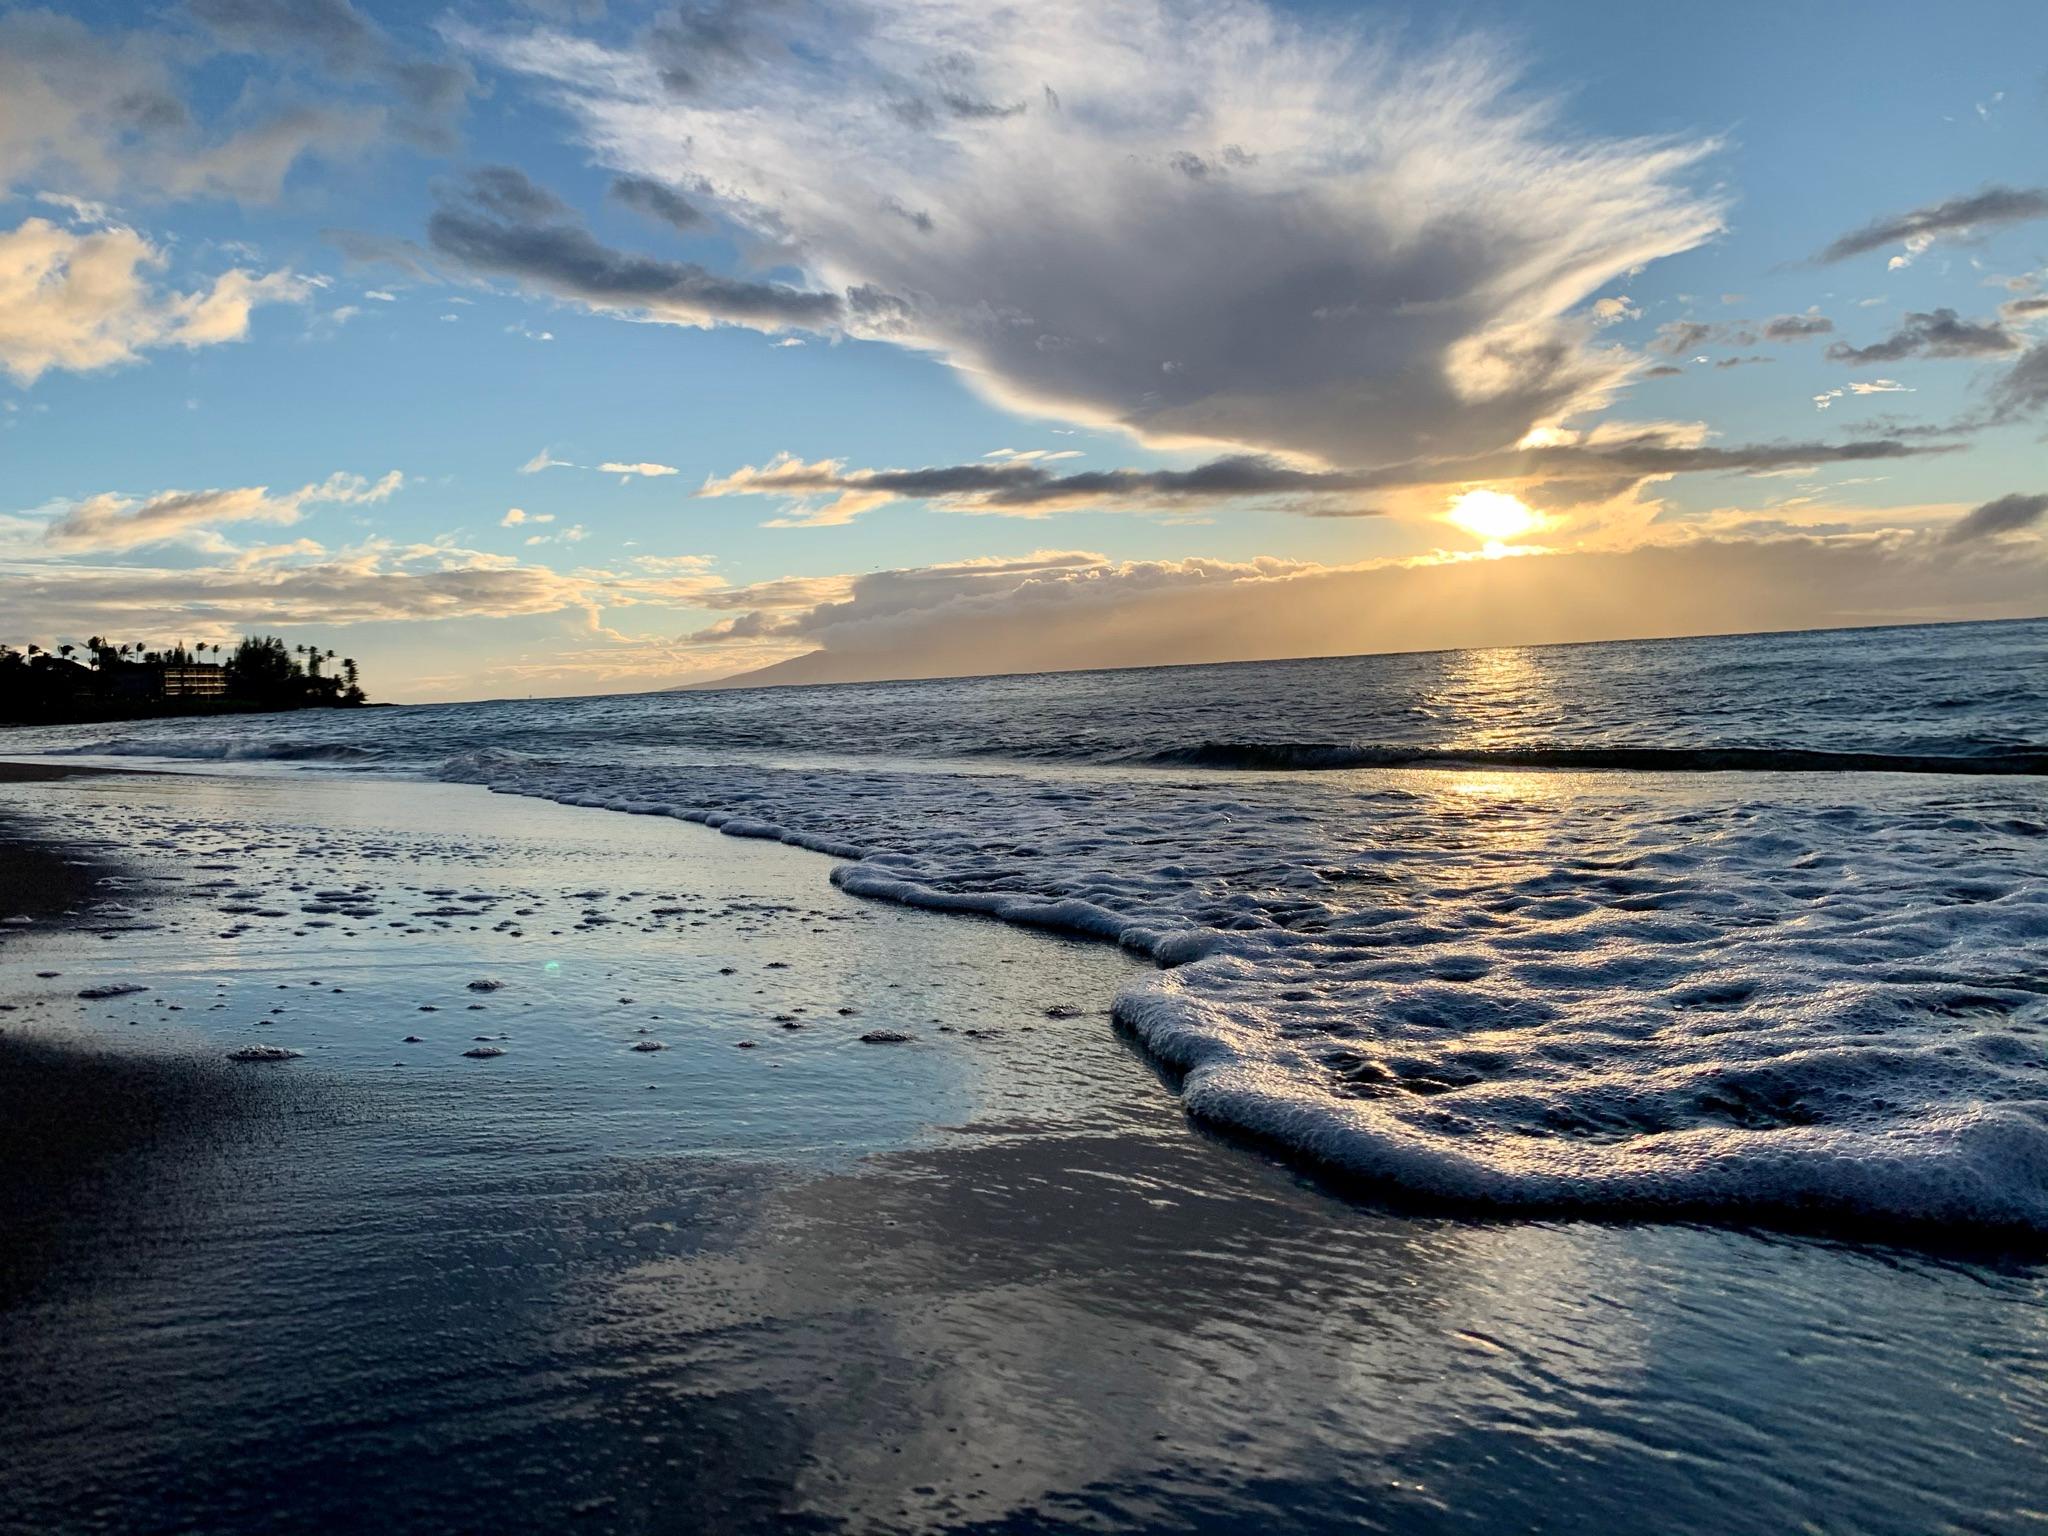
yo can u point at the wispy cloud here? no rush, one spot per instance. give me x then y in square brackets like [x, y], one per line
[826, 492]
[497, 223]
[2008, 514]
[1935, 333]
[112, 521]
[1918, 228]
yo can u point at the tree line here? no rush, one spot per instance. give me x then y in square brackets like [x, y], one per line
[107, 679]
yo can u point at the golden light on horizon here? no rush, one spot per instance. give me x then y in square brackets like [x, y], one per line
[1494, 516]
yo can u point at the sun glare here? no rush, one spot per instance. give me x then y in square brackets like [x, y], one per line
[1494, 516]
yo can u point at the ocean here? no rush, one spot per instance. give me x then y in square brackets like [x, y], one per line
[1751, 929]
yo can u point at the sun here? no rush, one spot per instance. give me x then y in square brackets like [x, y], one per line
[1494, 516]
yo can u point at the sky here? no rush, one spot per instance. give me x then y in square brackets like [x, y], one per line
[585, 347]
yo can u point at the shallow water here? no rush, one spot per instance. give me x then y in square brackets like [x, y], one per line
[1793, 993]
[985, 1281]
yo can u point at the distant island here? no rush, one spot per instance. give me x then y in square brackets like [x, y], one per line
[106, 681]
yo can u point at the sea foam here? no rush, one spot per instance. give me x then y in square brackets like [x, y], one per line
[1516, 991]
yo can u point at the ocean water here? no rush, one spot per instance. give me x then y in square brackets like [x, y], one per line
[1752, 929]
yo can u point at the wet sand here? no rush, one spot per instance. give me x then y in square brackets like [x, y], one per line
[777, 1276]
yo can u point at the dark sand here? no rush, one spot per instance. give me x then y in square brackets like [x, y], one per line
[983, 1279]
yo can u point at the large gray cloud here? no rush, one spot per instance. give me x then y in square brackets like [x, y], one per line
[1956, 216]
[1933, 333]
[1385, 253]
[497, 223]
[2008, 514]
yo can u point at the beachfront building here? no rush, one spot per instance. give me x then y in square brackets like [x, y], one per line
[192, 680]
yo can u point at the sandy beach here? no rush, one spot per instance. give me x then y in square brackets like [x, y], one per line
[478, 1254]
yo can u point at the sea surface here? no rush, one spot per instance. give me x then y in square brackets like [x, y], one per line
[1751, 929]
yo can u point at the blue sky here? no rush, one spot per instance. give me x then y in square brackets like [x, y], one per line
[1369, 259]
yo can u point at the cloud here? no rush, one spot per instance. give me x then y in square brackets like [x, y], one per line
[289, 585]
[112, 521]
[1935, 333]
[1828, 397]
[347, 45]
[827, 493]
[2008, 514]
[1387, 249]
[643, 471]
[1676, 337]
[2024, 390]
[82, 302]
[505, 192]
[1066, 610]
[106, 113]
[499, 224]
[1797, 327]
[1612, 311]
[518, 515]
[659, 201]
[1917, 228]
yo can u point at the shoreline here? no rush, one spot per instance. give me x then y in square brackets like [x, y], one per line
[1178, 1059]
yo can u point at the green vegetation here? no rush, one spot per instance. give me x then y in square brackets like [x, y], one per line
[116, 681]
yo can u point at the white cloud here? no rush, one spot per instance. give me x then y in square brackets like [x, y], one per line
[82, 302]
[517, 515]
[1828, 397]
[642, 471]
